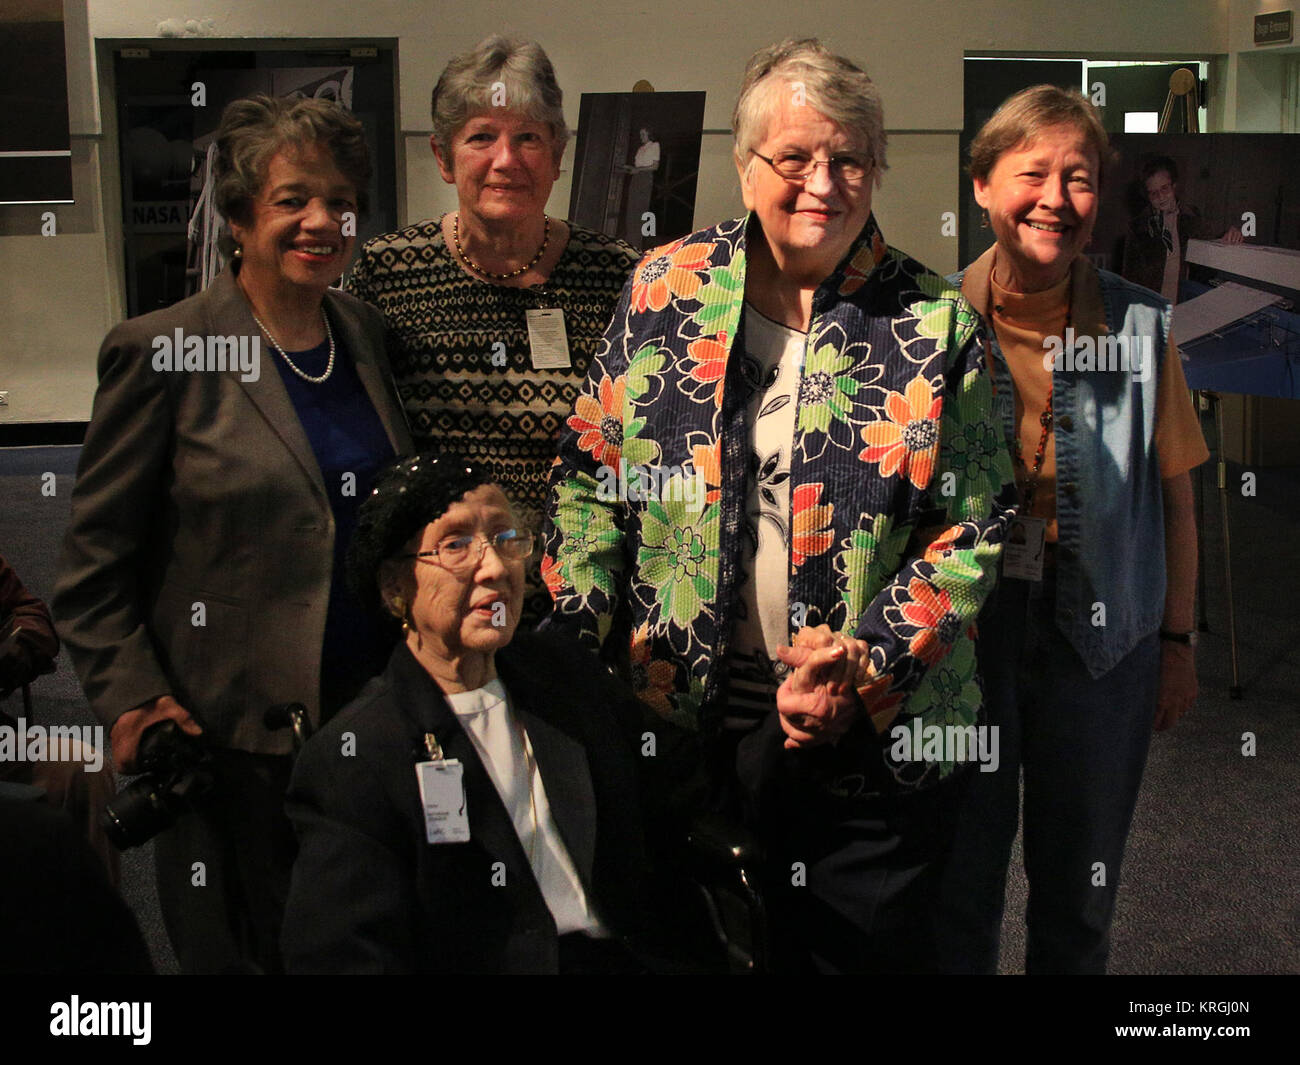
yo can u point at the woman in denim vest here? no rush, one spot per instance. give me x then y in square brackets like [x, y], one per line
[1088, 639]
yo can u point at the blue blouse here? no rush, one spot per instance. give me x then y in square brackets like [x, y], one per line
[351, 447]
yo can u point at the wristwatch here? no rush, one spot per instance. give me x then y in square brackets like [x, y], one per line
[1188, 638]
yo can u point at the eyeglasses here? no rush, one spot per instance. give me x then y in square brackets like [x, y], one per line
[797, 166]
[457, 554]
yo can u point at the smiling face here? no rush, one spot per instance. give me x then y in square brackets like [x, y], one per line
[460, 620]
[1042, 203]
[294, 230]
[809, 225]
[1162, 193]
[503, 165]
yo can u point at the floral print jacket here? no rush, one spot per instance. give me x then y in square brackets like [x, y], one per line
[900, 485]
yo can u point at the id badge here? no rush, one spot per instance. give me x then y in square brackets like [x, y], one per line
[442, 794]
[548, 342]
[1022, 554]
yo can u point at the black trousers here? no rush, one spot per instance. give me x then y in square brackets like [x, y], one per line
[223, 869]
[581, 955]
[851, 884]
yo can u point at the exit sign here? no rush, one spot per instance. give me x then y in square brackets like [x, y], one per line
[1274, 28]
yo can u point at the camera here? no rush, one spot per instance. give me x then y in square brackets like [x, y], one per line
[176, 770]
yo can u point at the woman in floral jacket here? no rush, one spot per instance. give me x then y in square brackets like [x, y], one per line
[788, 430]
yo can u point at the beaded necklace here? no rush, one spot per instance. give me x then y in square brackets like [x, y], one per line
[455, 236]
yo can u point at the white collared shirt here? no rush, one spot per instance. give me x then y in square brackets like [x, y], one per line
[507, 754]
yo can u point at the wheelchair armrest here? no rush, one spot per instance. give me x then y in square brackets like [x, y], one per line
[716, 840]
[725, 860]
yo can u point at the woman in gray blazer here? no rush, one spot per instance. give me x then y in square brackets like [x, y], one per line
[233, 436]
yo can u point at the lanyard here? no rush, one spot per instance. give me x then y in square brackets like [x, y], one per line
[1045, 420]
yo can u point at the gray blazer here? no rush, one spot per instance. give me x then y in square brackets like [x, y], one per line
[197, 562]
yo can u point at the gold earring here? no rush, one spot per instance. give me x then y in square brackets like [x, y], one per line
[397, 607]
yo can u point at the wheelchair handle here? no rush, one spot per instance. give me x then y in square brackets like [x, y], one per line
[291, 715]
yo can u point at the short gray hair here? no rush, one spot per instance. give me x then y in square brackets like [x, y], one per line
[465, 89]
[832, 85]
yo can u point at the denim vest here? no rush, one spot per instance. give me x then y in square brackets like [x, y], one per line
[1110, 573]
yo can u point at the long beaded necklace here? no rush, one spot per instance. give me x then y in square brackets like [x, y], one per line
[455, 236]
[1045, 420]
[329, 369]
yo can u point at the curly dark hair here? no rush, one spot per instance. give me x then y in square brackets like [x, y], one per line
[254, 129]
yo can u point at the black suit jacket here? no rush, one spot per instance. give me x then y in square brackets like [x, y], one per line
[202, 488]
[1144, 248]
[370, 894]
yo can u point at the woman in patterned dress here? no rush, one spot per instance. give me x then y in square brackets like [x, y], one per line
[495, 308]
[787, 437]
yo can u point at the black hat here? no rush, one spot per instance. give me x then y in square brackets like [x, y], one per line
[407, 496]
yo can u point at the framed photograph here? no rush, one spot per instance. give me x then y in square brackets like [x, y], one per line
[636, 164]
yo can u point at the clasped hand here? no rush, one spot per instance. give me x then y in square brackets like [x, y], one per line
[128, 729]
[818, 702]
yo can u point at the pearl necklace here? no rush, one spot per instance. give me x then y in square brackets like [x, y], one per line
[455, 236]
[329, 369]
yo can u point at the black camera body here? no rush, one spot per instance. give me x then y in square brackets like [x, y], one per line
[176, 771]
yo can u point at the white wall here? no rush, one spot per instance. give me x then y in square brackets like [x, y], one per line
[1254, 72]
[57, 299]
[61, 294]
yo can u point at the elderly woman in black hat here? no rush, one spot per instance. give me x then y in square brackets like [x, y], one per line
[475, 809]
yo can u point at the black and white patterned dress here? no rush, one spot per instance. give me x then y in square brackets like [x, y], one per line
[462, 359]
